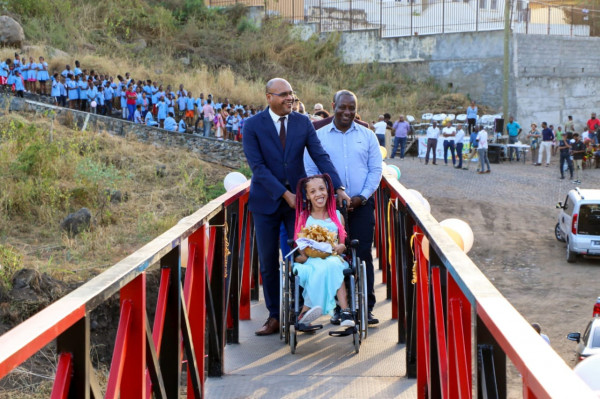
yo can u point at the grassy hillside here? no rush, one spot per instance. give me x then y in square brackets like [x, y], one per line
[229, 56]
[49, 171]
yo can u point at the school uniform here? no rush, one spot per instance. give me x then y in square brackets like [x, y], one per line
[161, 111]
[182, 126]
[62, 99]
[150, 120]
[42, 74]
[4, 70]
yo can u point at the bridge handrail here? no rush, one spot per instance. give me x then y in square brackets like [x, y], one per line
[25, 339]
[544, 372]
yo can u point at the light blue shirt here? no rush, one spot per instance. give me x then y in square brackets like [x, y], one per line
[182, 126]
[150, 120]
[170, 124]
[355, 155]
[471, 112]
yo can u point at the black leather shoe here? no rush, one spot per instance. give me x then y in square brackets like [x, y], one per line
[336, 319]
[372, 319]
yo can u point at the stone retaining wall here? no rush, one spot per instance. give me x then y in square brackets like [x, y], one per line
[226, 153]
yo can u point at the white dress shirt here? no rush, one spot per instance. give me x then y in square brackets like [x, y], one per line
[275, 118]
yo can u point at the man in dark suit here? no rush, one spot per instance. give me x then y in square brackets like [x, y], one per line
[274, 144]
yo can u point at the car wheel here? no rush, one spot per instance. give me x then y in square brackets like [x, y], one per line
[558, 233]
[571, 256]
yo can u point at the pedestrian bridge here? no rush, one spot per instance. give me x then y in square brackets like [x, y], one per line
[445, 331]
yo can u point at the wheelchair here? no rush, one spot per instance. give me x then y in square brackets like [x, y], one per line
[355, 278]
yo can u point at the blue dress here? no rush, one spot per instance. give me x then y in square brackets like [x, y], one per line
[321, 278]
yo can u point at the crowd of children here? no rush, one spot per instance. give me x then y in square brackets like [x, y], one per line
[144, 102]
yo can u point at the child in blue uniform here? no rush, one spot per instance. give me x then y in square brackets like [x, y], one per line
[42, 75]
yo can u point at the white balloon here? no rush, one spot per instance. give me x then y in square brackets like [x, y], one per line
[463, 229]
[419, 197]
[233, 179]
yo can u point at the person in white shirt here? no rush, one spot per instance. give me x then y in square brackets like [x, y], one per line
[459, 140]
[433, 132]
[448, 133]
[482, 149]
[379, 128]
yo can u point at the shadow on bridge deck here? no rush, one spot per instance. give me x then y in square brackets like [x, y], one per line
[323, 366]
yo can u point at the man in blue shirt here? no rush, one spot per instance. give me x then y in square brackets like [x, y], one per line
[354, 151]
[513, 129]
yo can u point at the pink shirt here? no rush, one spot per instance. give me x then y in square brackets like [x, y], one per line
[209, 112]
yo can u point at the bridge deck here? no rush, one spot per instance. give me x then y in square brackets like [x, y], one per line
[323, 366]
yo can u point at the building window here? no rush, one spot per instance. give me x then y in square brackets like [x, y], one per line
[482, 4]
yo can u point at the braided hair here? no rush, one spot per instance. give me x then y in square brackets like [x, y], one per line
[303, 206]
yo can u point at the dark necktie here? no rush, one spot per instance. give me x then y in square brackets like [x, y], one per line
[282, 131]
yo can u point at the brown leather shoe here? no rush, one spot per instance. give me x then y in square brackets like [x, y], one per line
[271, 326]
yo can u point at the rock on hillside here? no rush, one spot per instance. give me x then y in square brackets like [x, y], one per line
[11, 32]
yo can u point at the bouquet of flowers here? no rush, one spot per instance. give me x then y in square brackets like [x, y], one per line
[316, 241]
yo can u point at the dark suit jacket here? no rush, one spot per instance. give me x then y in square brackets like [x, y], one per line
[272, 167]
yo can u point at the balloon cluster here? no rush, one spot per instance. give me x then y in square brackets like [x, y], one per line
[458, 230]
[391, 171]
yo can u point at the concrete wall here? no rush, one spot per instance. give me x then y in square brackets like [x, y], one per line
[227, 153]
[468, 62]
[553, 77]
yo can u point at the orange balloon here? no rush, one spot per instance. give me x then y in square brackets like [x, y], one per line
[455, 237]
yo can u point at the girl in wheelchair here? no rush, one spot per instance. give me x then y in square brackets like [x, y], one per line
[321, 278]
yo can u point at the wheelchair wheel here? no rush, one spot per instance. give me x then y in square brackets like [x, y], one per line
[362, 299]
[292, 338]
[286, 303]
[282, 319]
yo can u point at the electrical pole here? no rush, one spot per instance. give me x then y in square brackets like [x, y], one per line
[506, 71]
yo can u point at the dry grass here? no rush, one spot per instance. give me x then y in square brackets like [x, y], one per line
[30, 218]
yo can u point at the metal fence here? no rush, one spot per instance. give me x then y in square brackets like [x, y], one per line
[395, 18]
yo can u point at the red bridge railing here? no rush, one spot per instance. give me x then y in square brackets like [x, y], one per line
[454, 322]
[449, 313]
[194, 316]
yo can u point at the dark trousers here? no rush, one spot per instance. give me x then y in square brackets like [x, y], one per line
[362, 227]
[471, 124]
[108, 107]
[459, 147]
[267, 237]
[512, 140]
[381, 139]
[449, 144]
[402, 142]
[565, 158]
[431, 145]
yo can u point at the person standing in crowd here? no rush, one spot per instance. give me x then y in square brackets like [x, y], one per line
[354, 151]
[401, 130]
[379, 127]
[565, 157]
[209, 115]
[558, 135]
[459, 141]
[546, 145]
[274, 144]
[514, 130]
[433, 132]
[472, 149]
[533, 137]
[578, 151]
[448, 133]
[482, 150]
[593, 124]
[42, 75]
[471, 117]
[570, 125]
